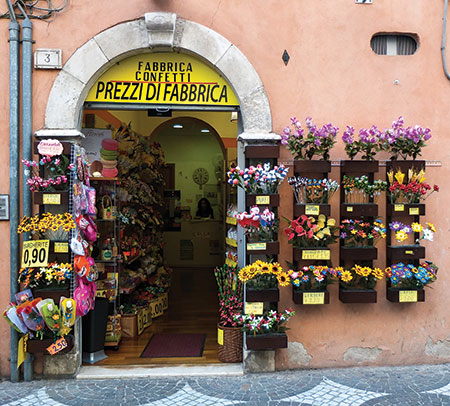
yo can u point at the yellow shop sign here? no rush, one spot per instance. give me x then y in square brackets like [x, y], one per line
[163, 78]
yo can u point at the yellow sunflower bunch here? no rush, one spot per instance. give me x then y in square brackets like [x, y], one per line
[365, 271]
[48, 221]
[260, 268]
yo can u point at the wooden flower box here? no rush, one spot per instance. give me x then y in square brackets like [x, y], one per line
[358, 253]
[262, 200]
[266, 341]
[310, 297]
[397, 295]
[357, 295]
[36, 346]
[262, 151]
[405, 252]
[262, 295]
[51, 198]
[265, 248]
[359, 210]
[311, 209]
[405, 209]
[312, 253]
[49, 293]
[310, 166]
[405, 165]
[359, 166]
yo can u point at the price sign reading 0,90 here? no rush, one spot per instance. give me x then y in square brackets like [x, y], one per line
[35, 253]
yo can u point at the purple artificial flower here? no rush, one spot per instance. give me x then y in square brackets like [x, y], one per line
[427, 134]
[407, 229]
[308, 122]
[287, 130]
[347, 137]
[317, 142]
[343, 235]
[298, 133]
[396, 225]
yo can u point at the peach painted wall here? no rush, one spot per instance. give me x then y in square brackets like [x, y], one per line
[333, 75]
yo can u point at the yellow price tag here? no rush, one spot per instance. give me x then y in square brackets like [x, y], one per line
[140, 321]
[165, 301]
[231, 242]
[231, 220]
[255, 246]
[219, 336]
[313, 298]
[61, 247]
[399, 207]
[35, 253]
[350, 209]
[409, 252]
[312, 210]
[51, 199]
[22, 350]
[316, 254]
[157, 308]
[230, 262]
[414, 211]
[262, 199]
[255, 308]
[57, 346]
[405, 296]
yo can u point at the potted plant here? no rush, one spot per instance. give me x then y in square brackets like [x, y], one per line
[356, 285]
[262, 280]
[406, 282]
[266, 332]
[230, 303]
[310, 284]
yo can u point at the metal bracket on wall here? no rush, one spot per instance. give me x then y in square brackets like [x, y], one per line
[363, 1]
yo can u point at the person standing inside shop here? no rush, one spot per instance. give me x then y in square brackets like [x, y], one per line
[204, 209]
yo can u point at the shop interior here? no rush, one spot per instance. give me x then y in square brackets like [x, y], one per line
[162, 203]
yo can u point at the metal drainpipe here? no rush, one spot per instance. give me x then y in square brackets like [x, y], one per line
[27, 66]
[444, 40]
[14, 185]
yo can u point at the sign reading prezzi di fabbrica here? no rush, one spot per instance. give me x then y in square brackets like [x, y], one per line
[162, 78]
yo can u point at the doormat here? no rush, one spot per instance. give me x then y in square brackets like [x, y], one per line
[166, 345]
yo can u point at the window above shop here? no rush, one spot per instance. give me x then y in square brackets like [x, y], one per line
[394, 44]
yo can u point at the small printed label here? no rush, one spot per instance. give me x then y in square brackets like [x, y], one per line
[409, 252]
[255, 246]
[231, 242]
[350, 209]
[316, 254]
[51, 199]
[35, 253]
[313, 298]
[407, 296]
[57, 346]
[231, 263]
[219, 336]
[156, 307]
[61, 247]
[312, 210]
[414, 211]
[255, 308]
[231, 220]
[399, 207]
[262, 199]
[50, 147]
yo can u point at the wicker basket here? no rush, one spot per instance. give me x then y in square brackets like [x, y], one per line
[231, 350]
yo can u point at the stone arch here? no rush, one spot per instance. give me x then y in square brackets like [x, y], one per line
[162, 32]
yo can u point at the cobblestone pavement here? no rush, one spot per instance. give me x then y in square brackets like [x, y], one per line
[383, 386]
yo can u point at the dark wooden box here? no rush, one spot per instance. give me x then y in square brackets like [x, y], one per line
[359, 253]
[393, 295]
[266, 341]
[272, 248]
[297, 296]
[359, 166]
[300, 209]
[359, 210]
[262, 151]
[357, 295]
[262, 295]
[251, 200]
[390, 208]
[405, 252]
[310, 166]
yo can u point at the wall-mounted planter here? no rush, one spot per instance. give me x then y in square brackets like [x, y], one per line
[405, 295]
[359, 166]
[311, 209]
[262, 295]
[358, 253]
[309, 166]
[357, 295]
[405, 209]
[312, 254]
[310, 297]
[359, 209]
[404, 252]
[49, 293]
[266, 341]
[264, 248]
[262, 151]
[405, 165]
[51, 198]
[36, 346]
[262, 200]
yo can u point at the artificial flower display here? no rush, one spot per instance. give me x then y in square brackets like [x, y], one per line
[402, 231]
[51, 275]
[361, 233]
[408, 276]
[313, 190]
[313, 141]
[308, 232]
[411, 188]
[269, 323]
[258, 226]
[313, 277]
[231, 295]
[264, 275]
[358, 189]
[46, 222]
[259, 179]
[358, 277]
[370, 142]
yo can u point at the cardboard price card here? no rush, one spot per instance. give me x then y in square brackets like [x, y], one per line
[51, 199]
[140, 321]
[316, 254]
[255, 308]
[165, 301]
[414, 211]
[255, 246]
[231, 220]
[231, 242]
[350, 209]
[156, 307]
[407, 296]
[312, 210]
[35, 253]
[219, 336]
[313, 298]
[262, 199]
[57, 346]
[61, 247]
[399, 207]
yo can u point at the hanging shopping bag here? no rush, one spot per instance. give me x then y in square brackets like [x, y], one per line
[108, 210]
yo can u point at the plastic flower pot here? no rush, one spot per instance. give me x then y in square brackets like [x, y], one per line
[262, 295]
[232, 344]
[398, 295]
[357, 295]
[310, 297]
[266, 341]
